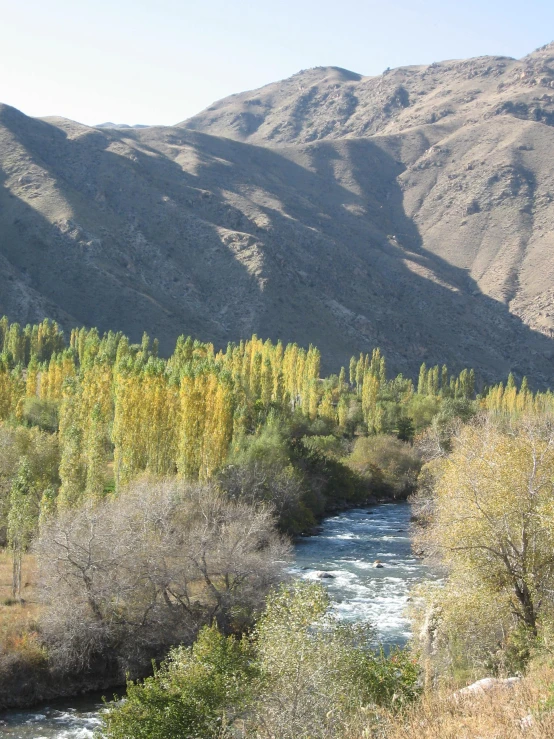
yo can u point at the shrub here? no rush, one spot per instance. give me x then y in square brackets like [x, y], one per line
[196, 693]
[41, 413]
[302, 674]
[318, 672]
[127, 578]
[394, 461]
[329, 445]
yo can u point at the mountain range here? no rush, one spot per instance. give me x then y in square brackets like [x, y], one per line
[413, 210]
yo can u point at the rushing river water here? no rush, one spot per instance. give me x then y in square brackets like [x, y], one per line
[346, 548]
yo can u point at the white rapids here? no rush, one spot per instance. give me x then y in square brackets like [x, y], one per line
[347, 549]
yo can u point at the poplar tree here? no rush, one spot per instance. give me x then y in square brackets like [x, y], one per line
[352, 370]
[342, 412]
[422, 381]
[266, 382]
[22, 519]
[359, 374]
[94, 455]
[70, 436]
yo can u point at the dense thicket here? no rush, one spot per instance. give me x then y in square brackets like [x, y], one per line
[300, 674]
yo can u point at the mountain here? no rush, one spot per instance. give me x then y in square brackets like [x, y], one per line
[109, 124]
[411, 211]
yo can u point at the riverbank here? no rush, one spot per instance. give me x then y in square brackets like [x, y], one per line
[24, 685]
[27, 679]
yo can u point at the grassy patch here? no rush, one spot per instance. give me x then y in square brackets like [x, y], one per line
[18, 630]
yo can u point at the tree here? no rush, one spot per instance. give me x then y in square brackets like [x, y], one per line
[422, 381]
[352, 370]
[41, 453]
[72, 472]
[392, 464]
[260, 473]
[491, 522]
[126, 578]
[405, 429]
[22, 520]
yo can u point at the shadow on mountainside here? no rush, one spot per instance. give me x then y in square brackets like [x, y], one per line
[116, 254]
[371, 258]
[174, 231]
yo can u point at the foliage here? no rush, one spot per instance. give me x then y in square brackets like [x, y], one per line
[40, 452]
[316, 671]
[301, 674]
[491, 524]
[41, 413]
[390, 462]
[22, 520]
[195, 694]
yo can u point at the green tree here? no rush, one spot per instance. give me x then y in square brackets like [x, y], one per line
[352, 370]
[422, 381]
[22, 521]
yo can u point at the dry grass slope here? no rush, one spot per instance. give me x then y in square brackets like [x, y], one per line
[505, 713]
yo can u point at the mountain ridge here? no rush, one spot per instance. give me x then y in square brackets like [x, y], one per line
[430, 238]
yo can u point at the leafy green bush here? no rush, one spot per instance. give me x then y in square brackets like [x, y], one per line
[41, 413]
[329, 445]
[195, 693]
[394, 461]
[318, 672]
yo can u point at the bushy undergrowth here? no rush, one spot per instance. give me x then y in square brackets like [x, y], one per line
[304, 474]
[300, 674]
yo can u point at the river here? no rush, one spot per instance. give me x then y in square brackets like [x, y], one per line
[346, 549]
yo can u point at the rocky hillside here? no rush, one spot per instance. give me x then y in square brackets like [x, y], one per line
[329, 102]
[475, 138]
[412, 211]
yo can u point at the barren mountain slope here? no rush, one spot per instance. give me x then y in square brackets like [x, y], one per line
[173, 231]
[476, 138]
[329, 102]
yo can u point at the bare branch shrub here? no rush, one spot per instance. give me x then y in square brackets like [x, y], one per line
[127, 578]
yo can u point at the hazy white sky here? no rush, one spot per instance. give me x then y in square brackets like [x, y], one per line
[160, 61]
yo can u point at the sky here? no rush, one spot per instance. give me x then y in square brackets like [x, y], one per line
[162, 61]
